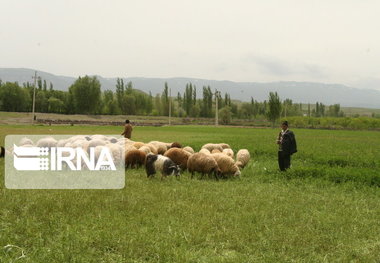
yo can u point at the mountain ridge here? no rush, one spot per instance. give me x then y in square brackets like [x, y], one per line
[305, 92]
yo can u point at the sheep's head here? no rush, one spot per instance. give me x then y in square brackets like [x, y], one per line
[175, 170]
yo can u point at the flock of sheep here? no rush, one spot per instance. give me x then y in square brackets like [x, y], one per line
[165, 158]
[171, 158]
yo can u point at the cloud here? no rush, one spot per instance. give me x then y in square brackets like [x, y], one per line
[280, 68]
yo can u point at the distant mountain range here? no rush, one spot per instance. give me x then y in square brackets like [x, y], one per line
[305, 92]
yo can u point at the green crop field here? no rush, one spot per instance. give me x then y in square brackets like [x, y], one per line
[326, 208]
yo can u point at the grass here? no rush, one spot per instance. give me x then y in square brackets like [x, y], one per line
[319, 211]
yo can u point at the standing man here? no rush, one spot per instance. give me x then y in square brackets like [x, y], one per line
[287, 146]
[127, 130]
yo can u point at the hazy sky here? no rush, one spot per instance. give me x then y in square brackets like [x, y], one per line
[267, 40]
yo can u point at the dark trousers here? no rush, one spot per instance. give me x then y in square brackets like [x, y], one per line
[283, 160]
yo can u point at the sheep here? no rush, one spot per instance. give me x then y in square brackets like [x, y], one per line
[47, 142]
[161, 163]
[175, 145]
[138, 144]
[152, 148]
[178, 156]
[205, 151]
[226, 164]
[145, 149]
[204, 164]
[25, 141]
[117, 153]
[96, 142]
[188, 149]
[134, 158]
[228, 152]
[225, 146]
[62, 142]
[212, 146]
[98, 137]
[215, 151]
[242, 158]
[161, 146]
[111, 139]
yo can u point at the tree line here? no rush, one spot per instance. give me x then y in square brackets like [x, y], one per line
[85, 96]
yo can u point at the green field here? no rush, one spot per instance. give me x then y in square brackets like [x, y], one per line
[325, 209]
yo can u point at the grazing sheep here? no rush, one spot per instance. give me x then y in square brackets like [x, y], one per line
[242, 158]
[117, 153]
[215, 151]
[228, 152]
[98, 137]
[62, 142]
[2, 151]
[212, 146]
[134, 158]
[138, 144]
[204, 164]
[175, 145]
[145, 149]
[96, 142]
[205, 151]
[152, 148]
[161, 146]
[25, 141]
[161, 163]
[112, 139]
[178, 156]
[226, 164]
[225, 146]
[47, 142]
[189, 149]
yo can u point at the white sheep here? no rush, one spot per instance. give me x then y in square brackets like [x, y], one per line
[226, 164]
[242, 158]
[204, 164]
[161, 146]
[47, 142]
[212, 146]
[228, 152]
[188, 149]
[25, 141]
[205, 151]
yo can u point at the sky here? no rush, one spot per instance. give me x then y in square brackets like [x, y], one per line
[329, 41]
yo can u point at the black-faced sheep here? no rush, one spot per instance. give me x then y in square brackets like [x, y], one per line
[159, 163]
[226, 164]
[178, 156]
[242, 158]
[134, 158]
[203, 164]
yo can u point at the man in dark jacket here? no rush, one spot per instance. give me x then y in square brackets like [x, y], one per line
[287, 146]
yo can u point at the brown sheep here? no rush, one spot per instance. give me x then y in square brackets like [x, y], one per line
[226, 164]
[204, 164]
[175, 145]
[178, 156]
[135, 158]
